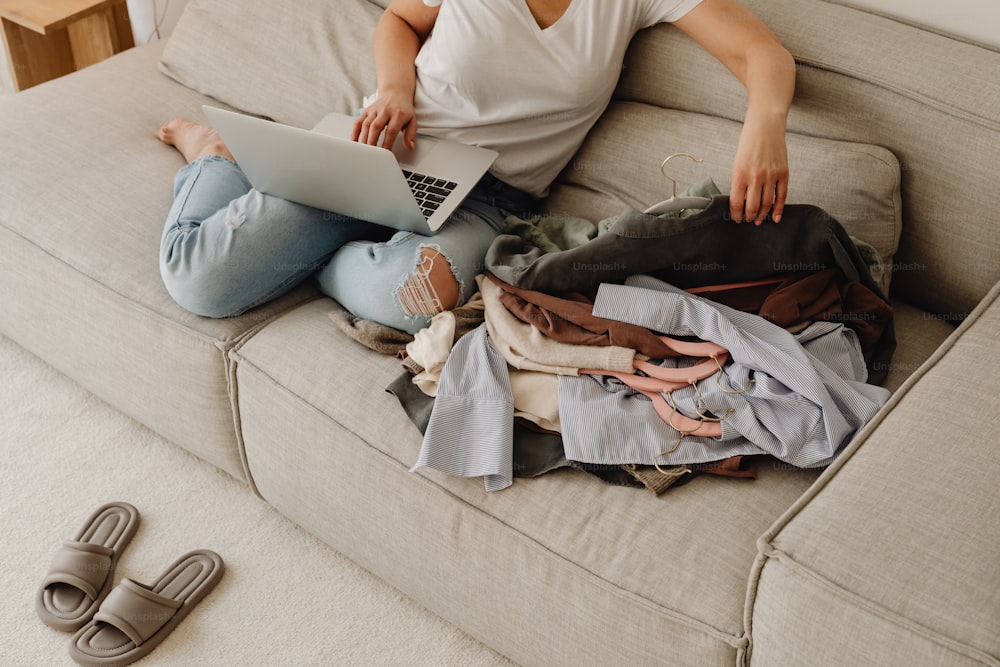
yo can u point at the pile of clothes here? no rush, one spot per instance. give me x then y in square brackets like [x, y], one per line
[656, 348]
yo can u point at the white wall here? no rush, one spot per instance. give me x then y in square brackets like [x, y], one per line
[976, 20]
[148, 16]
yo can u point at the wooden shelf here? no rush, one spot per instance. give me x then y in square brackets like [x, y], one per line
[49, 38]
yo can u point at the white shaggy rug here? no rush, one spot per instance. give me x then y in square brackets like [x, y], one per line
[286, 599]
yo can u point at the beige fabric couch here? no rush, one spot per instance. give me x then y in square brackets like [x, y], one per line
[889, 557]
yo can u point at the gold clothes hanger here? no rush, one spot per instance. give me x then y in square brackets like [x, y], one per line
[675, 203]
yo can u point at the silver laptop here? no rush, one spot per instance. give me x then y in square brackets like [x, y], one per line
[408, 190]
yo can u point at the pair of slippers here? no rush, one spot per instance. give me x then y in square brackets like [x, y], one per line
[118, 624]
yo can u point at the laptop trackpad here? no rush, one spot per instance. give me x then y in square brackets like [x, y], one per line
[408, 159]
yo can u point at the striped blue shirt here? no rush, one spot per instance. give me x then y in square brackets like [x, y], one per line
[805, 394]
[471, 429]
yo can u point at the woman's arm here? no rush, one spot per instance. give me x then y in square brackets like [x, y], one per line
[754, 55]
[404, 26]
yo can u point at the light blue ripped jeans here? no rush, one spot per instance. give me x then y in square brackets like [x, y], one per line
[227, 248]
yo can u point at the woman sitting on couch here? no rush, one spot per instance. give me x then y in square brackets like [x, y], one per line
[527, 78]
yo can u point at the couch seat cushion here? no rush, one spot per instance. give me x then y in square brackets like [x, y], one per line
[84, 191]
[682, 558]
[93, 189]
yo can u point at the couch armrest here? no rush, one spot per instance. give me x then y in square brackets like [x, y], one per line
[893, 556]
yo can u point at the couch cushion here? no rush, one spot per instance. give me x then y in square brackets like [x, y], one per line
[84, 191]
[930, 100]
[292, 62]
[619, 165]
[579, 571]
[900, 538]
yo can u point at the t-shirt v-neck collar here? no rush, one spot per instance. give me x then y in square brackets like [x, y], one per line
[554, 26]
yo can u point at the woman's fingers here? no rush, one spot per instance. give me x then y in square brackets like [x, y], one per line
[381, 126]
[753, 199]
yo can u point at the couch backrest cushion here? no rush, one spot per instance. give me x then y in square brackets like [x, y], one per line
[933, 101]
[292, 62]
[619, 165]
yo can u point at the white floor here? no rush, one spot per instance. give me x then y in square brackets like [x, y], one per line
[285, 600]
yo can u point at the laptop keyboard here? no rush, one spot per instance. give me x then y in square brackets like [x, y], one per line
[429, 191]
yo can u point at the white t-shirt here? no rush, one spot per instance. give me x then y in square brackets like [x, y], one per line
[488, 75]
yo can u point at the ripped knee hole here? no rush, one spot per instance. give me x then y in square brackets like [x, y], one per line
[432, 287]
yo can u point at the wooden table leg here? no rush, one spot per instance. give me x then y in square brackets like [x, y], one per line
[101, 35]
[123, 24]
[93, 39]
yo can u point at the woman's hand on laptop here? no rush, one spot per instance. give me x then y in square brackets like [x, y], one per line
[384, 119]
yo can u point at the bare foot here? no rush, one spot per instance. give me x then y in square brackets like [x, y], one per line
[192, 140]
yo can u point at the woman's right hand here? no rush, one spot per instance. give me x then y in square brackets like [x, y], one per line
[390, 114]
[404, 26]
